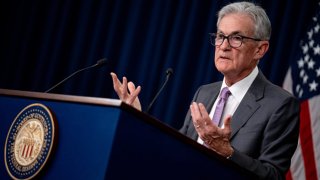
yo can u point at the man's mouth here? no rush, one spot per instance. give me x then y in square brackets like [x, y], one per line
[224, 57]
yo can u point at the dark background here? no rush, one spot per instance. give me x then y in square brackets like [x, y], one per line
[44, 41]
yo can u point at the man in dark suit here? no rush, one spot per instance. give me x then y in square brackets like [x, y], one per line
[263, 133]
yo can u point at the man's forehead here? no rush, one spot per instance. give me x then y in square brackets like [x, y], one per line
[230, 33]
[236, 32]
[236, 23]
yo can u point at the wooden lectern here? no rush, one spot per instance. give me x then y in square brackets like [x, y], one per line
[101, 138]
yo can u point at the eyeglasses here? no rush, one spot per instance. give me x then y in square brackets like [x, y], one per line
[234, 40]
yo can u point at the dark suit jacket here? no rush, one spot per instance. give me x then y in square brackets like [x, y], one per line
[265, 127]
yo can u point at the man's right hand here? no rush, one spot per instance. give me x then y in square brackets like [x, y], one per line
[127, 92]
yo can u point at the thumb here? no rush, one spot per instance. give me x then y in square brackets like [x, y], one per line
[227, 125]
[131, 87]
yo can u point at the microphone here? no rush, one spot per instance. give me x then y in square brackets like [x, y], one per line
[169, 72]
[99, 63]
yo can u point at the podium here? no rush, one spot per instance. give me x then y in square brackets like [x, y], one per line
[100, 138]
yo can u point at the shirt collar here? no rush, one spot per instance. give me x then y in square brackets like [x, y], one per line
[239, 89]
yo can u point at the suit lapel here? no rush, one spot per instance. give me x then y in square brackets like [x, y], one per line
[248, 105]
[243, 113]
[208, 102]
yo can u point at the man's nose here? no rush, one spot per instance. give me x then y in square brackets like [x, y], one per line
[225, 44]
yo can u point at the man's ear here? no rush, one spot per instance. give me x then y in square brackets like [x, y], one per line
[261, 49]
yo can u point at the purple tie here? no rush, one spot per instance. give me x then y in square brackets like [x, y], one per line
[220, 106]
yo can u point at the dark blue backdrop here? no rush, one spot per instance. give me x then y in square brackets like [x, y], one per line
[44, 41]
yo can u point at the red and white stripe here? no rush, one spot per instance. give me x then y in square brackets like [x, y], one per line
[305, 163]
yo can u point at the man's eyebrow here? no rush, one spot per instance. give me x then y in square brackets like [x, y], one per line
[232, 33]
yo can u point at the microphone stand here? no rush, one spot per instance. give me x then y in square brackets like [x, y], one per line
[99, 63]
[169, 72]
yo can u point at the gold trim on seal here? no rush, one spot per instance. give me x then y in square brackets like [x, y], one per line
[30, 141]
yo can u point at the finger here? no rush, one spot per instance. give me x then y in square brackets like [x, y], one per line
[134, 92]
[195, 112]
[115, 80]
[124, 89]
[131, 87]
[192, 111]
[204, 114]
[227, 126]
[116, 84]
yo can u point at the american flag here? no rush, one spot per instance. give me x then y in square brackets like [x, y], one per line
[303, 80]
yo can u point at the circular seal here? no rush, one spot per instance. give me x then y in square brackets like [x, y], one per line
[29, 142]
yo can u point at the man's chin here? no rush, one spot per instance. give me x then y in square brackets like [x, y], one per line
[223, 68]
